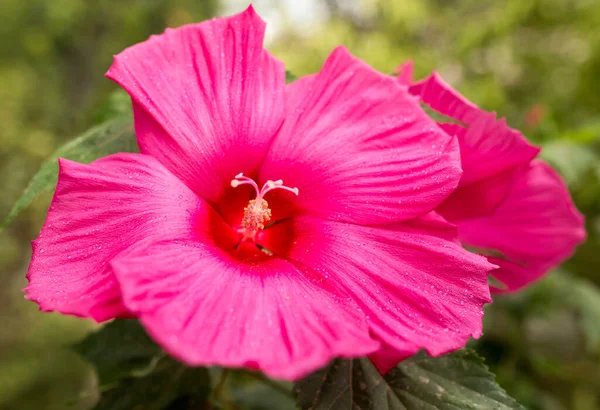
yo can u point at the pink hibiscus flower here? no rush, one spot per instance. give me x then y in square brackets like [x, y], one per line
[512, 208]
[333, 251]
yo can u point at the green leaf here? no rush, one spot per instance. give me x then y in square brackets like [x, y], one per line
[572, 161]
[118, 104]
[261, 397]
[255, 391]
[561, 292]
[170, 386]
[120, 349]
[457, 381]
[492, 281]
[441, 118]
[586, 134]
[290, 77]
[112, 136]
[134, 372]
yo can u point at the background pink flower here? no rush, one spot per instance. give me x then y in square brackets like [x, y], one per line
[172, 236]
[515, 210]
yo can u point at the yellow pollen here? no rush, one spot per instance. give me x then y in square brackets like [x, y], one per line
[256, 215]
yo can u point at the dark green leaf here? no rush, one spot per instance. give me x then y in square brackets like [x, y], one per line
[261, 397]
[134, 373]
[289, 77]
[170, 386]
[254, 391]
[457, 381]
[112, 136]
[119, 349]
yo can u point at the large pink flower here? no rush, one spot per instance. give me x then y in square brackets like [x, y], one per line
[337, 253]
[508, 206]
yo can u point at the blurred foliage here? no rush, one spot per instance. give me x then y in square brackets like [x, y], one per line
[544, 343]
[534, 61]
[53, 56]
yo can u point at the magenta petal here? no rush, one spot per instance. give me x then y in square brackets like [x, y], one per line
[99, 210]
[536, 228]
[207, 308]
[491, 152]
[405, 72]
[207, 99]
[414, 282]
[363, 150]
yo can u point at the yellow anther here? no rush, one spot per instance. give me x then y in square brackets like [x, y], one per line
[256, 215]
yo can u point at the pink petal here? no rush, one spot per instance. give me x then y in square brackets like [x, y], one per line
[99, 210]
[414, 282]
[406, 72]
[207, 307]
[387, 357]
[536, 228]
[491, 152]
[207, 100]
[362, 149]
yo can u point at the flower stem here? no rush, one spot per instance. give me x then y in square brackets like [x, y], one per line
[220, 384]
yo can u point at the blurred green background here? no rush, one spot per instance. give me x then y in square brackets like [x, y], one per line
[537, 62]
